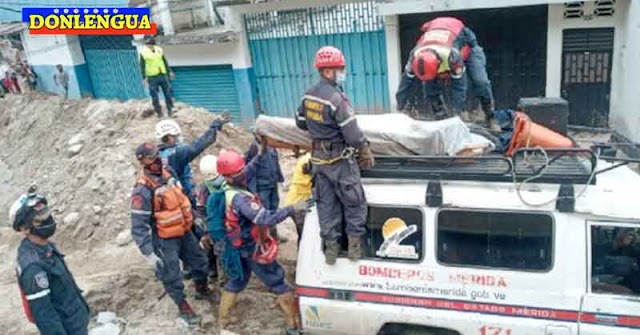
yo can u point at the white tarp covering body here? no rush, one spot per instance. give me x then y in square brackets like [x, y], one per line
[390, 134]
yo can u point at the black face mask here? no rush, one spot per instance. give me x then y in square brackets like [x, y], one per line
[46, 228]
[155, 167]
[240, 180]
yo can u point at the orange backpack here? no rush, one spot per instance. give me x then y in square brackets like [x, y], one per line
[171, 207]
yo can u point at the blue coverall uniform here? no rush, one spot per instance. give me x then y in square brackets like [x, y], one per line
[171, 251]
[411, 90]
[268, 175]
[53, 296]
[251, 212]
[326, 113]
[178, 157]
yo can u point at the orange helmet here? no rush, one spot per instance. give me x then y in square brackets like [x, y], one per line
[328, 57]
[425, 65]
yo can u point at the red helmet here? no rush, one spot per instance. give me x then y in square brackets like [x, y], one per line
[425, 65]
[329, 57]
[230, 163]
[266, 250]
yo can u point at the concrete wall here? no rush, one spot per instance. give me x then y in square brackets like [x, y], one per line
[44, 52]
[554, 46]
[236, 54]
[625, 117]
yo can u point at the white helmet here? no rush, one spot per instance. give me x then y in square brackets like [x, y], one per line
[208, 166]
[15, 207]
[167, 127]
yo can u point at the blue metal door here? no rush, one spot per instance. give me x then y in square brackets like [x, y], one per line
[283, 46]
[113, 67]
[210, 87]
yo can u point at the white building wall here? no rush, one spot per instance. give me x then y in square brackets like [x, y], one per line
[557, 23]
[44, 52]
[394, 67]
[625, 118]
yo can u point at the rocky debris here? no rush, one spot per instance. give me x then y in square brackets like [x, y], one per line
[71, 219]
[108, 324]
[124, 238]
[89, 187]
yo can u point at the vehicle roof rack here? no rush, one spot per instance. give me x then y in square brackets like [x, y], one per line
[551, 166]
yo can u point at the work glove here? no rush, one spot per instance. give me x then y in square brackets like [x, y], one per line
[303, 206]
[222, 119]
[155, 261]
[206, 243]
[365, 158]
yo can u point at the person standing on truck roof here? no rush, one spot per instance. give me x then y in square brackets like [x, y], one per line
[447, 50]
[156, 73]
[326, 113]
[50, 296]
[161, 221]
[249, 247]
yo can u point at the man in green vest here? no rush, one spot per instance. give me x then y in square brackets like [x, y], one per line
[156, 73]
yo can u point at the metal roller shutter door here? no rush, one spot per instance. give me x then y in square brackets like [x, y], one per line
[210, 87]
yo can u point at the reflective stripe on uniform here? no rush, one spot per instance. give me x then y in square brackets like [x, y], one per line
[38, 295]
[137, 211]
[345, 122]
[170, 219]
[260, 213]
[322, 101]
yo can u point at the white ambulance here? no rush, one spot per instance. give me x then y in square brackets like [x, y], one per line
[484, 246]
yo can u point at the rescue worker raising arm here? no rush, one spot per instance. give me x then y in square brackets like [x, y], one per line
[249, 247]
[50, 294]
[447, 49]
[161, 221]
[178, 156]
[327, 114]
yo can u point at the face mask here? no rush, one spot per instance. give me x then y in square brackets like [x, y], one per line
[156, 166]
[46, 229]
[240, 180]
[341, 77]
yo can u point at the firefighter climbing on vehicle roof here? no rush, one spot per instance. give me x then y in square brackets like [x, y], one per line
[326, 113]
[248, 245]
[50, 296]
[161, 220]
[447, 49]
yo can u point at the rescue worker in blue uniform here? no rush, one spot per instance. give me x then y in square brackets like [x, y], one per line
[326, 113]
[447, 50]
[268, 176]
[161, 225]
[246, 223]
[178, 157]
[51, 297]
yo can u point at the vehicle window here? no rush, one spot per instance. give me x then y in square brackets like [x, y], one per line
[615, 257]
[520, 241]
[395, 233]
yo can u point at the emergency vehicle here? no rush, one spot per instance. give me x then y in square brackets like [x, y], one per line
[485, 246]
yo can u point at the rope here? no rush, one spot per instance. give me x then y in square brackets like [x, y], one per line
[518, 186]
[346, 153]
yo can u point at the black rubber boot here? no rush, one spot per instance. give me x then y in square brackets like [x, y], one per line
[188, 315]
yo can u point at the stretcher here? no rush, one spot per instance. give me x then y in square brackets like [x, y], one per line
[388, 134]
